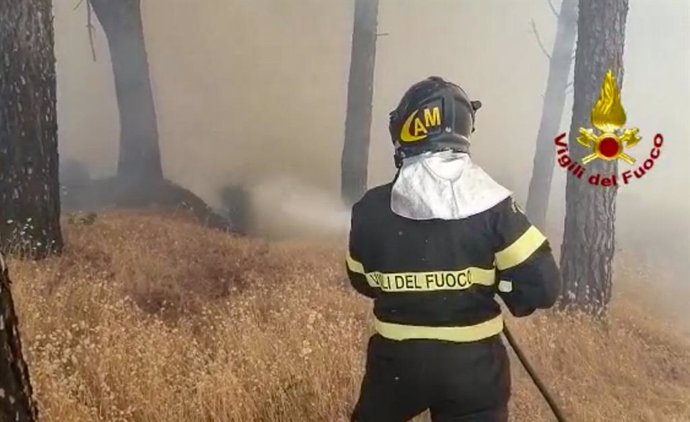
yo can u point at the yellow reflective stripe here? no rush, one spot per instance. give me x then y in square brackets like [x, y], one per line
[456, 334]
[424, 281]
[357, 267]
[353, 265]
[433, 280]
[520, 250]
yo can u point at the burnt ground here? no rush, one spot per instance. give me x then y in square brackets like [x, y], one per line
[93, 196]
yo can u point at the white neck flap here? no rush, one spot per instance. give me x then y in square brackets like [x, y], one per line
[444, 185]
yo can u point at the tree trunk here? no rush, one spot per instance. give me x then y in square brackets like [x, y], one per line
[355, 159]
[16, 401]
[589, 234]
[139, 159]
[552, 111]
[29, 185]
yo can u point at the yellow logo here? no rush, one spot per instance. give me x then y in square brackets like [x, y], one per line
[415, 129]
[609, 117]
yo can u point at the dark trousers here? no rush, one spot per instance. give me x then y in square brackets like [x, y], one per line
[457, 382]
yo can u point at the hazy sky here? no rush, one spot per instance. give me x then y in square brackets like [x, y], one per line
[253, 92]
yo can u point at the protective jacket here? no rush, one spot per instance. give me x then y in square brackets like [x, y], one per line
[437, 279]
[433, 249]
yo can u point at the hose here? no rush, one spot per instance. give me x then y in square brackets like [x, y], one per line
[530, 370]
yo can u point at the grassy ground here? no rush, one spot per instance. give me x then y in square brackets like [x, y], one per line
[155, 319]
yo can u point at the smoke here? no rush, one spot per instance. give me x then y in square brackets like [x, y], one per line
[285, 208]
[252, 94]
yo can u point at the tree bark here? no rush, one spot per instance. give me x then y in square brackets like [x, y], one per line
[16, 396]
[355, 158]
[139, 159]
[589, 234]
[552, 111]
[29, 185]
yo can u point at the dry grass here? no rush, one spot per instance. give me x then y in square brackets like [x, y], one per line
[154, 319]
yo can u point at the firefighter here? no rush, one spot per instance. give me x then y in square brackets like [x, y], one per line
[433, 248]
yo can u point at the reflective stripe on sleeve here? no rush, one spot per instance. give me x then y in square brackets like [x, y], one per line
[455, 334]
[357, 268]
[354, 265]
[520, 250]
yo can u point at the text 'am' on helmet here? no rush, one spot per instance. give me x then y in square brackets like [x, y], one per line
[433, 115]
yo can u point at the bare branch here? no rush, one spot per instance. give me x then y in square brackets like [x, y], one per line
[382, 34]
[78, 4]
[553, 9]
[536, 35]
[572, 57]
[90, 28]
[569, 85]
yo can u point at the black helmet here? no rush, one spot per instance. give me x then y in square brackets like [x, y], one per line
[433, 115]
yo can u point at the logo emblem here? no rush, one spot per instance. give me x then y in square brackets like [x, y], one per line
[608, 116]
[422, 122]
[608, 142]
